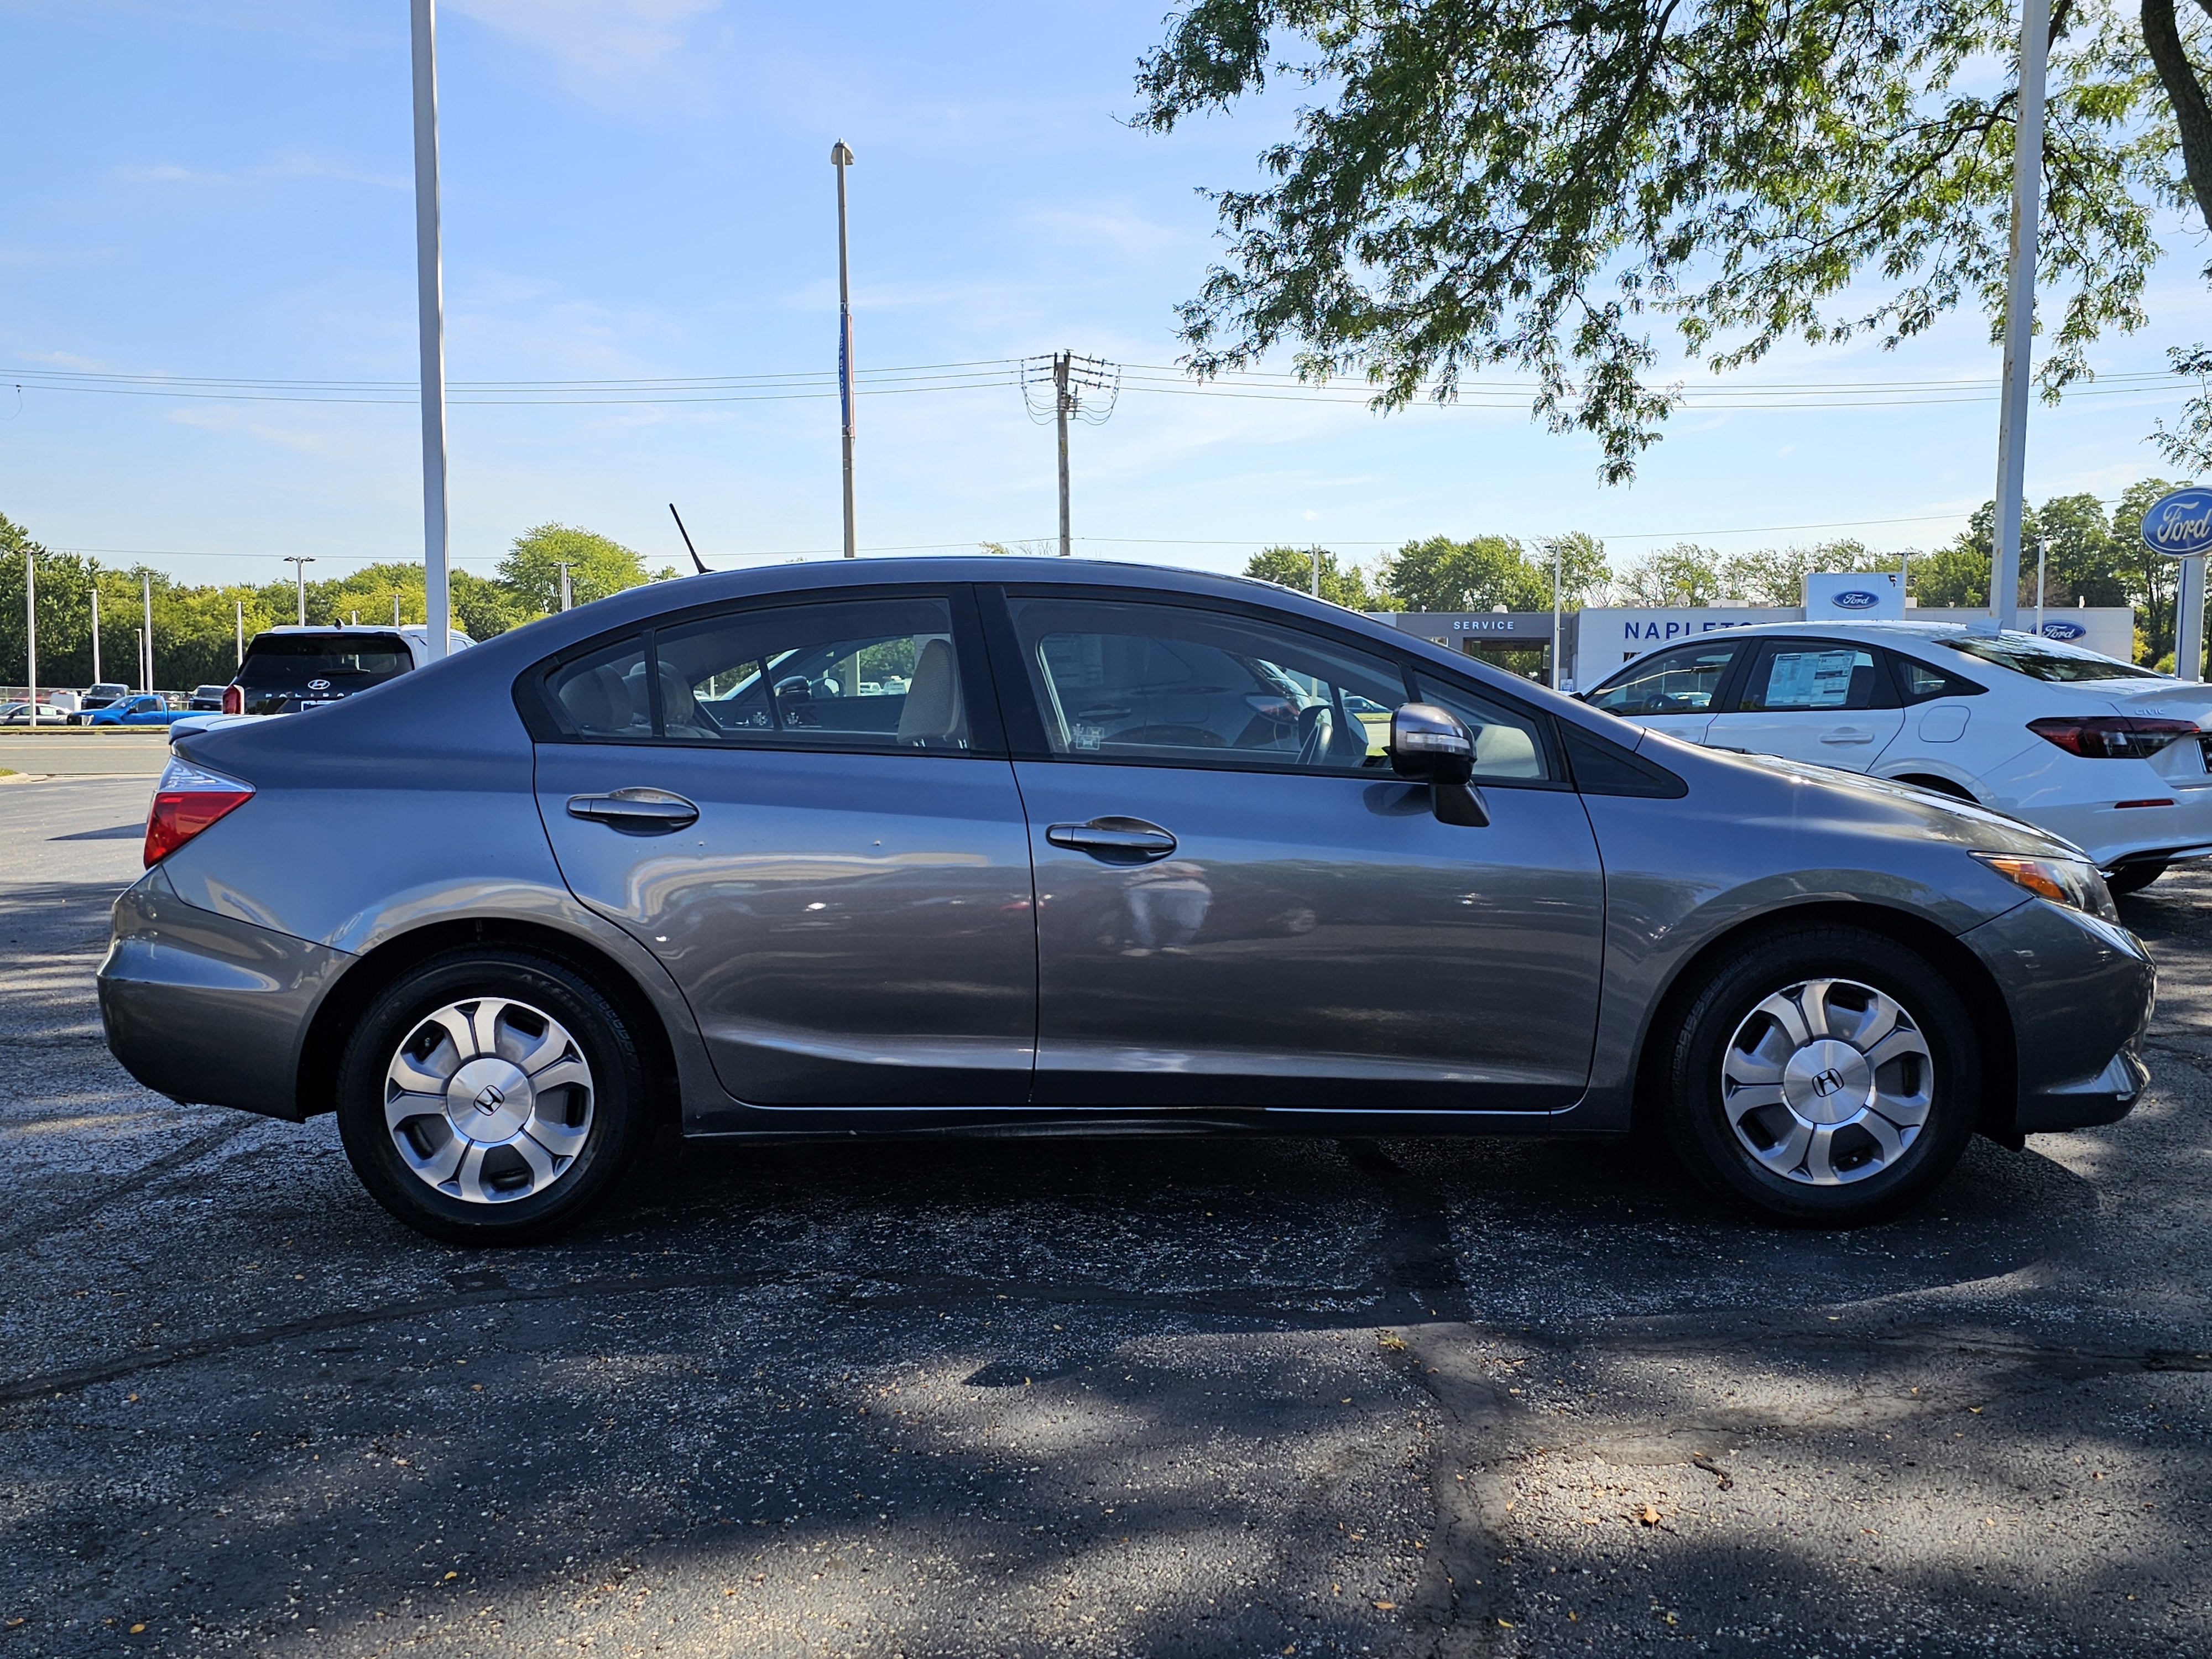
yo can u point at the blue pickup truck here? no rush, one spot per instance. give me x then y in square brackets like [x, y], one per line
[147, 708]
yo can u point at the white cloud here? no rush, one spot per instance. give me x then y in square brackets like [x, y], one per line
[597, 40]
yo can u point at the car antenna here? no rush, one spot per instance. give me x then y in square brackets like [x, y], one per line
[686, 534]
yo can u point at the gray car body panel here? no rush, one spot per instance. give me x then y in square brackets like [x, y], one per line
[417, 799]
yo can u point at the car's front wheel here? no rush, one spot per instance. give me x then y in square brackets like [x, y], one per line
[1829, 1078]
[491, 1097]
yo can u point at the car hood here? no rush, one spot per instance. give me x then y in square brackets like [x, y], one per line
[1880, 805]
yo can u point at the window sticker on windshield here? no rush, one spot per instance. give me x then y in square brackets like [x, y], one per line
[1810, 679]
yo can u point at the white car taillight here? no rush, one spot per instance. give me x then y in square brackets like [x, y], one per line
[187, 800]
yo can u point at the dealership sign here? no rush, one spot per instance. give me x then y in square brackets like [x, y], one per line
[2062, 630]
[2180, 524]
[1864, 595]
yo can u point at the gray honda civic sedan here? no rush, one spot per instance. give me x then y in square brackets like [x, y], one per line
[1033, 845]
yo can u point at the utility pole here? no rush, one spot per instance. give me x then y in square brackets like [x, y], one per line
[2019, 311]
[1070, 377]
[96, 632]
[430, 326]
[1558, 560]
[146, 649]
[300, 562]
[1316, 570]
[31, 635]
[840, 157]
[563, 563]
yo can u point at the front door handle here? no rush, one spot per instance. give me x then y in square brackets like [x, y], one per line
[638, 810]
[1115, 840]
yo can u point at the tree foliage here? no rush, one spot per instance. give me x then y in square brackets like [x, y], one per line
[1344, 584]
[1501, 183]
[599, 566]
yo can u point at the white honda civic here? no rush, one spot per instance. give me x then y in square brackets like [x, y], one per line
[2114, 758]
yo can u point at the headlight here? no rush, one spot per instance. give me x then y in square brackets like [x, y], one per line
[2071, 882]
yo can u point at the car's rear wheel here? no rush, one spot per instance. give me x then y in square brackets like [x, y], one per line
[2134, 878]
[491, 1097]
[1828, 1078]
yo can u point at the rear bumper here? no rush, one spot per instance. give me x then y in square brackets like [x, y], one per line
[2079, 992]
[208, 1009]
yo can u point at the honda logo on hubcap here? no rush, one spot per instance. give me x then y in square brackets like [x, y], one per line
[1824, 1083]
[490, 1099]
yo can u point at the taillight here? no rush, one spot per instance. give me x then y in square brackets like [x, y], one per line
[187, 800]
[2111, 737]
[234, 700]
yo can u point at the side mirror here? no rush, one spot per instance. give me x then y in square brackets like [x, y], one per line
[1428, 745]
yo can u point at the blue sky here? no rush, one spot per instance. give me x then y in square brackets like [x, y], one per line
[636, 188]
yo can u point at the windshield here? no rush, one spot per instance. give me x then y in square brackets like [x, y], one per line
[2043, 662]
[349, 661]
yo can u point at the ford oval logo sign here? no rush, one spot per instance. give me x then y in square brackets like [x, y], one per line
[1856, 598]
[2180, 524]
[2063, 631]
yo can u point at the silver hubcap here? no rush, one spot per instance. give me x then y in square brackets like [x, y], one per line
[489, 1101]
[1828, 1081]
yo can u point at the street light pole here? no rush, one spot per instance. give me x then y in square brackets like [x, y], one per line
[563, 563]
[146, 639]
[2042, 559]
[238, 626]
[1559, 560]
[2019, 311]
[840, 157]
[300, 562]
[430, 326]
[96, 632]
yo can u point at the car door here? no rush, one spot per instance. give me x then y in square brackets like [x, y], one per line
[1239, 905]
[839, 880]
[1671, 691]
[1827, 702]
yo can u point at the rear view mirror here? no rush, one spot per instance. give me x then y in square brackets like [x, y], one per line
[1428, 745]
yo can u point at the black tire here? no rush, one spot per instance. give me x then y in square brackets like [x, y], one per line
[2134, 878]
[609, 1124]
[1863, 1180]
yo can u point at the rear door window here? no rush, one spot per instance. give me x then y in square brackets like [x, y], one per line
[1811, 675]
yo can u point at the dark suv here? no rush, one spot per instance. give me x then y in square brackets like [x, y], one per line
[289, 669]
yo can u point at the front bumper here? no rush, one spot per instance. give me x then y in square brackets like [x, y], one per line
[206, 1008]
[2079, 992]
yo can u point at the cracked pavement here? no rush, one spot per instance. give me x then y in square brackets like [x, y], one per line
[1487, 1397]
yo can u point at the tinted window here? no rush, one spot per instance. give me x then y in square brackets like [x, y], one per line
[1508, 748]
[349, 661]
[1918, 682]
[1809, 675]
[1680, 681]
[604, 693]
[858, 673]
[2047, 662]
[1178, 684]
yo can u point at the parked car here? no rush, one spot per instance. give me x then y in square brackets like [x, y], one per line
[97, 698]
[288, 669]
[20, 713]
[206, 699]
[146, 709]
[2114, 758]
[1120, 857]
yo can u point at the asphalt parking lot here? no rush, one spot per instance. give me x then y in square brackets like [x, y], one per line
[1111, 1397]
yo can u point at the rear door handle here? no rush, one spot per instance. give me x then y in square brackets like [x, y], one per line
[638, 810]
[1847, 734]
[1115, 840]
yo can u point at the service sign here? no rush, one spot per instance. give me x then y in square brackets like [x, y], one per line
[2180, 524]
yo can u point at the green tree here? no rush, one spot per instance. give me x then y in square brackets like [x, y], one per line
[1477, 183]
[2147, 579]
[598, 566]
[1478, 574]
[1685, 574]
[1293, 567]
[1584, 575]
